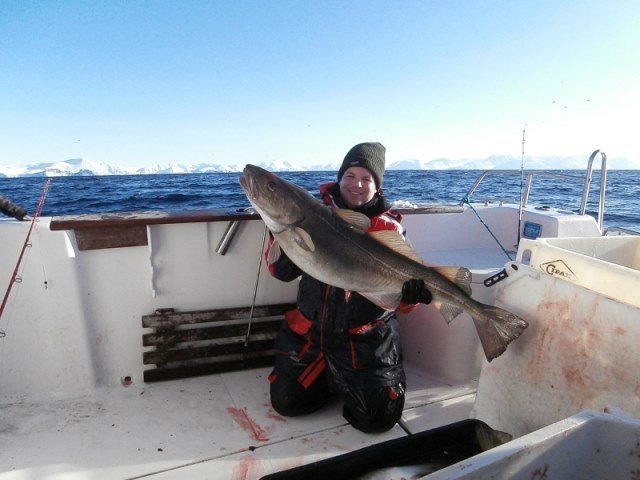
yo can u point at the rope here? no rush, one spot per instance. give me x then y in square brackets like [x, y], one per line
[15, 278]
[466, 200]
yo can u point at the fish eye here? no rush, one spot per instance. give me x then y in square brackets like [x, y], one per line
[271, 186]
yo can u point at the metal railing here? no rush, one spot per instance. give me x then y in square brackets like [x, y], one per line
[587, 179]
[587, 184]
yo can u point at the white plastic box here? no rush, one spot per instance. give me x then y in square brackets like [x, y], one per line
[586, 446]
[607, 265]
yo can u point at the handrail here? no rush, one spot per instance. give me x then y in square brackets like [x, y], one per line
[528, 183]
[587, 183]
[529, 180]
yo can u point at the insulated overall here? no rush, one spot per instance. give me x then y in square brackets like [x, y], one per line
[338, 342]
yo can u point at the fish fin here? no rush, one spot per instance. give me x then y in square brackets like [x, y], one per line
[355, 219]
[460, 276]
[303, 239]
[274, 253]
[396, 242]
[386, 300]
[497, 328]
[448, 310]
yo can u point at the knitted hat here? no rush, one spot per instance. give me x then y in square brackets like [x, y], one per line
[369, 155]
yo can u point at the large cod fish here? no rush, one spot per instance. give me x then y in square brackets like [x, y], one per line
[332, 246]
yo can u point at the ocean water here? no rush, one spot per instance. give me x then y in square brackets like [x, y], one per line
[108, 194]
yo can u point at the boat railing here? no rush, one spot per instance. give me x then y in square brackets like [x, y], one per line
[587, 184]
[586, 179]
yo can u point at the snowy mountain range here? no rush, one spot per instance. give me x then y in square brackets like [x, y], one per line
[80, 166]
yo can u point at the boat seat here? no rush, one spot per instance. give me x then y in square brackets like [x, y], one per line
[188, 344]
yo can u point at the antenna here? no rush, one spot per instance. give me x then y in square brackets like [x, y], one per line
[521, 185]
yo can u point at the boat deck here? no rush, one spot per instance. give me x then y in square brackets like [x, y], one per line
[219, 426]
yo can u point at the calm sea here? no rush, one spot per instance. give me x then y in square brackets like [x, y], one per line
[102, 194]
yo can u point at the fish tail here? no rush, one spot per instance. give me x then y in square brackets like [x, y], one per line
[497, 328]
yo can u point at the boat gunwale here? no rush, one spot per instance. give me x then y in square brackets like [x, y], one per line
[159, 217]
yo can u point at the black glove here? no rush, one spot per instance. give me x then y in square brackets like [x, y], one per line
[414, 291]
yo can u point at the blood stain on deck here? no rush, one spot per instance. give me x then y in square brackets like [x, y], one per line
[242, 418]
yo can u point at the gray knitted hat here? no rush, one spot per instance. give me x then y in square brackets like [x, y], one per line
[369, 155]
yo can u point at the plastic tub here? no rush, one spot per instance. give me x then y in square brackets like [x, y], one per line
[607, 265]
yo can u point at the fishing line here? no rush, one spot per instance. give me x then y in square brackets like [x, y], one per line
[466, 200]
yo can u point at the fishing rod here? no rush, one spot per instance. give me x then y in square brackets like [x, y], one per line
[15, 278]
[521, 186]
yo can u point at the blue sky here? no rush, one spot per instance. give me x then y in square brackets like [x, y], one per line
[137, 83]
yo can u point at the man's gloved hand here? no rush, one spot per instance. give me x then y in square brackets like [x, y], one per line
[414, 291]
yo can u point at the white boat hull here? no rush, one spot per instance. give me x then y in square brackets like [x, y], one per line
[73, 402]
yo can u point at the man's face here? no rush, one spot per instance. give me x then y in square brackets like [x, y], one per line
[357, 186]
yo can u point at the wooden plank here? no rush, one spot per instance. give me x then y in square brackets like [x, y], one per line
[174, 337]
[192, 353]
[144, 218]
[172, 320]
[159, 374]
[111, 237]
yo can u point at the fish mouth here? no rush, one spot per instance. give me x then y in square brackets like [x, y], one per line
[248, 184]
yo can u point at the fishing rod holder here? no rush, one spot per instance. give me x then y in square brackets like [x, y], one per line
[227, 237]
[230, 232]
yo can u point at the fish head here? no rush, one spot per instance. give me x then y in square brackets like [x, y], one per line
[275, 199]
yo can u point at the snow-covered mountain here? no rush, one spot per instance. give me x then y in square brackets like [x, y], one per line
[80, 166]
[506, 162]
[74, 166]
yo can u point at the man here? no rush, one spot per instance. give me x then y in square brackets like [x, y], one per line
[336, 341]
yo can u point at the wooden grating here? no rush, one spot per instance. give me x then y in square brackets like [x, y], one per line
[188, 344]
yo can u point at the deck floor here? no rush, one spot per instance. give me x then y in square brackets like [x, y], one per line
[218, 426]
